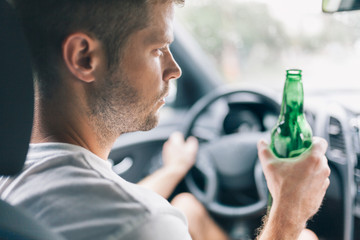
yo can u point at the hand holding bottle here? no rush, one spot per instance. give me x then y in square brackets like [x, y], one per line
[292, 134]
[298, 186]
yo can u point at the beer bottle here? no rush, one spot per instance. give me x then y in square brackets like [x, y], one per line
[292, 134]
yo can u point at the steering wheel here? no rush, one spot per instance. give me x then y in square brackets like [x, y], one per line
[229, 160]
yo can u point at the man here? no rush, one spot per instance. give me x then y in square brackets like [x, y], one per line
[102, 68]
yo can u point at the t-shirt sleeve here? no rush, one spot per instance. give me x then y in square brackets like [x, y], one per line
[160, 227]
[83, 202]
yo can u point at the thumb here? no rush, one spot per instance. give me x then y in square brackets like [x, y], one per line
[265, 155]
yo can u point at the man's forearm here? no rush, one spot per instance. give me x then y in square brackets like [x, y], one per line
[280, 224]
[163, 181]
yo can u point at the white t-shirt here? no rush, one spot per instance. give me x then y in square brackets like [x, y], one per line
[77, 194]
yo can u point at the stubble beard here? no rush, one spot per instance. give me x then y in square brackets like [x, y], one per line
[116, 108]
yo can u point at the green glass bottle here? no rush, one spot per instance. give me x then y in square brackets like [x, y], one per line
[292, 134]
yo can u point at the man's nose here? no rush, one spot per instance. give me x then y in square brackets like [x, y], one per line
[172, 70]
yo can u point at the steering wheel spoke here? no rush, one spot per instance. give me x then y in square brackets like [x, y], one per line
[205, 167]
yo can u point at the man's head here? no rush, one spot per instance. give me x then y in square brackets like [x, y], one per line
[134, 90]
[48, 22]
[117, 51]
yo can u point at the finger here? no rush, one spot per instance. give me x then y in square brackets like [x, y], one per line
[325, 186]
[327, 183]
[177, 137]
[192, 141]
[319, 145]
[327, 170]
[263, 151]
[262, 144]
[192, 145]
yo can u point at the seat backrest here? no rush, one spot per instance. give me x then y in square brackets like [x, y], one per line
[16, 116]
[16, 93]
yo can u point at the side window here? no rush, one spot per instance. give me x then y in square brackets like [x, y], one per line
[253, 42]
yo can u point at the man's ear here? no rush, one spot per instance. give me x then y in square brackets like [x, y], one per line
[80, 53]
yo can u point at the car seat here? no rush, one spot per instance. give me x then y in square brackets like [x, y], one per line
[16, 116]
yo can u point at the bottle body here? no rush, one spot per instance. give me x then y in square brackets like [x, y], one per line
[292, 134]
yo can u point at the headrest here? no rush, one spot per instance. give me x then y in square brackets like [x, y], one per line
[16, 93]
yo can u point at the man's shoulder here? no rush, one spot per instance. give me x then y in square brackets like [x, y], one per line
[71, 172]
[65, 188]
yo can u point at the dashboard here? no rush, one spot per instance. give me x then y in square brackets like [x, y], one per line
[136, 155]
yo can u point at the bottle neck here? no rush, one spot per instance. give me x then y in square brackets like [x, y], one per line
[293, 97]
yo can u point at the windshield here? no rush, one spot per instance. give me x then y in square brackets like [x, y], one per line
[255, 41]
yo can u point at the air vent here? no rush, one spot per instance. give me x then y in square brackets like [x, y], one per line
[336, 139]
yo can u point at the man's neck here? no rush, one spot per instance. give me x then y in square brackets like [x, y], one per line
[61, 123]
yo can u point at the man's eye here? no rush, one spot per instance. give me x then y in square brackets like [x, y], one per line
[159, 51]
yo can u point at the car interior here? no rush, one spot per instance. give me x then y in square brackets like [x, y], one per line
[227, 120]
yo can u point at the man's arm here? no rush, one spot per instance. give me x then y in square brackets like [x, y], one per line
[297, 187]
[178, 157]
